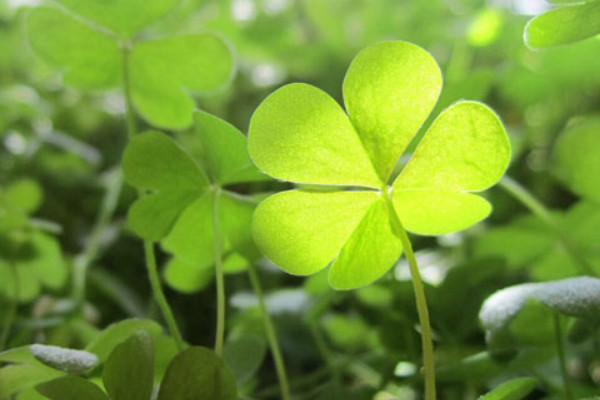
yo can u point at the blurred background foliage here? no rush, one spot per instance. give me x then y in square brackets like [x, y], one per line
[60, 147]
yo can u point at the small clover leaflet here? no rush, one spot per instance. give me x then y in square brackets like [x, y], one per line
[571, 22]
[300, 134]
[96, 42]
[185, 192]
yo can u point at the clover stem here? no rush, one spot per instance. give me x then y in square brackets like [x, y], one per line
[534, 205]
[428, 370]
[92, 247]
[12, 311]
[561, 357]
[157, 291]
[271, 334]
[159, 295]
[220, 278]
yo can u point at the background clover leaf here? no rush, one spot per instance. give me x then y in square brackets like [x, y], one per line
[300, 134]
[576, 297]
[123, 17]
[578, 164]
[185, 194]
[569, 23]
[162, 71]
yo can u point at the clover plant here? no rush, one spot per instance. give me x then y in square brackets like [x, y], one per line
[569, 22]
[300, 134]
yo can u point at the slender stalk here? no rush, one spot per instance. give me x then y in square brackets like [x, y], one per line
[12, 311]
[561, 357]
[522, 194]
[148, 245]
[220, 276]
[83, 261]
[271, 335]
[428, 370]
[159, 294]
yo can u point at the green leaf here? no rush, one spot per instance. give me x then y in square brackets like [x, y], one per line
[300, 134]
[117, 333]
[577, 155]
[164, 71]
[153, 161]
[198, 373]
[188, 278]
[22, 376]
[577, 297]
[244, 355]
[564, 25]
[67, 360]
[224, 150]
[27, 194]
[87, 58]
[389, 90]
[71, 388]
[514, 389]
[465, 150]
[123, 17]
[302, 232]
[129, 370]
[372, 243]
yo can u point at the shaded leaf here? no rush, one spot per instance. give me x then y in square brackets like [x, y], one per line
[244, 356]
[198, 373]
[71, 388]
[67, 360]
[129, 370]
[515, 389]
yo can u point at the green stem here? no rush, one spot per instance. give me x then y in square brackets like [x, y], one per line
[12, 311]
[522, 194]
[83, 261]
[220, 276]
[561, 357]
[159, 295]
[271, 335]
[428, 370]
[148, 245]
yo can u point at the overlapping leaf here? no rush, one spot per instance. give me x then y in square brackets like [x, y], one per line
[301, 135]
[184, 195]
[93, 50]
[571, 22]
[575, 297]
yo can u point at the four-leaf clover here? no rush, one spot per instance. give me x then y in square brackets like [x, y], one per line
[187, 192]
[300, 134]
[94, 44]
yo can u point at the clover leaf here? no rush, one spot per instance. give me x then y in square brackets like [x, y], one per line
[577, 155]
[30, 257]
[572, 22]
[95, 44]
[302, 135]
[575, 297]
[185, 192]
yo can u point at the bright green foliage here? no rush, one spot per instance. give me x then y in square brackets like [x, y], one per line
[198, 373]
[301, 135]
[23, 372]
[576, 297]
[567, 24]
[577, 158]
[527, 243]
[161, 71]
[129, 371]
[515, 389]
[124, 17]
[71, 388]
[185, 193]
